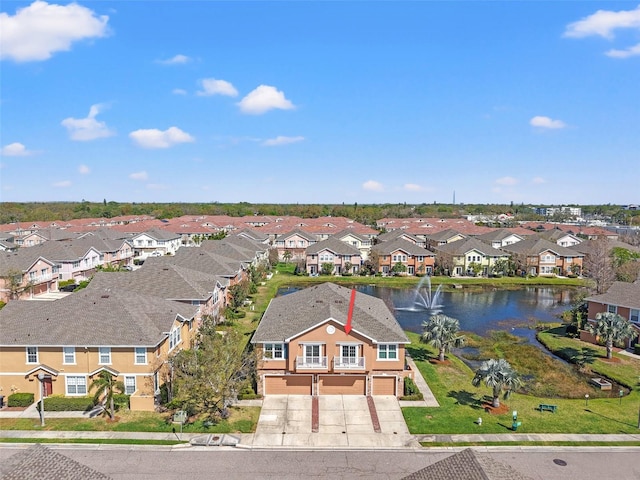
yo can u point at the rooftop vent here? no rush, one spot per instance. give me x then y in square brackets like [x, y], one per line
[104, 296]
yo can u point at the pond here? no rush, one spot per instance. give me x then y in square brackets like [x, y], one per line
[516, 311]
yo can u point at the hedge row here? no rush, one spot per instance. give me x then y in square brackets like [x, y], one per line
[20, 400]
[57, 403]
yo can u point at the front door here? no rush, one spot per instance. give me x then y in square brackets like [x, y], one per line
[48, 386]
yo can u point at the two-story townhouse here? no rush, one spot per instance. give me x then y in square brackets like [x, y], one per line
[443, 237]
[253, 235]
[468, 257]
[415, 259]
[399, 233]
[75, 260]
[330, 340]
[24, 275]
[621, 298]
[360, 241]
[155, 240]
[500, 237]
[562, 238]
[342, 257]
[70, 341]
[45, 235]
[538, 256]
[294, 244]
[240, 249]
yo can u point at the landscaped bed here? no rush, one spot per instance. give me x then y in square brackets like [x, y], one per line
[461, 404]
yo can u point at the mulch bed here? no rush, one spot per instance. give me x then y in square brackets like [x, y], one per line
[14, 409]
[501, 410]
[435, 361]
[610, 360]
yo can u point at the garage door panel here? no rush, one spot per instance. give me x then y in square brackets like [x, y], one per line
[288, 385]
[342, 385]
[384, 386]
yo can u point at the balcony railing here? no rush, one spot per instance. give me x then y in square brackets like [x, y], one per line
[40, 278]
[348, 363]
[319, 363]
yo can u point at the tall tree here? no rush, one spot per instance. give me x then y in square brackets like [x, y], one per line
[209, 376]
[106, 385]
[598, 264]
[441, 331]
[610, 328]
[498, 375]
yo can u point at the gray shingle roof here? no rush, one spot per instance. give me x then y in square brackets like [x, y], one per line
[38, 461]
[91, 317]
[622, 294]
[289, 315]
[536, 246]
[394, 234]
[496, 235]
[462, 247]
[387, 248]
[467, 465]
[334, 245]
[443, 235]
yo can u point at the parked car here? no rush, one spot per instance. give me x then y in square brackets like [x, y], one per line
[68, 288]
[155, 254]
[128, 268]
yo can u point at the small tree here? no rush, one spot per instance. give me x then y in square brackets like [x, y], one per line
[610, 328]
[441, 331]
[106, 385]
[475, 268]
[499, 376]
[286, 256]
[346, 268]
[209, 377]
[326, 268]
[273, 257]
[398, 268]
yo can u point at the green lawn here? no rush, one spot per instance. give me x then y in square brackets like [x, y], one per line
[461, 405]
[242, 420]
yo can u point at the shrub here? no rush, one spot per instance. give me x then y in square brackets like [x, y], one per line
[58, 403]
[411, 389]
[121, 401]
[64, 283]
[20, 400]
[636, 349]
[247, 393]
[2, 304]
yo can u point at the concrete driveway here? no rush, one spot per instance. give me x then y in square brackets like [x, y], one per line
[343, 421]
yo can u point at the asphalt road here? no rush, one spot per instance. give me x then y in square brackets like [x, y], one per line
[582, 463]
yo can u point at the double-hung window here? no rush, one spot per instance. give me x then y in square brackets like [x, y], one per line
[69, 355]
[104, 355]
[175, 337]
[32, 354]
[634, 316]
[129, 384]
[141, 356]
[387, 351]
[76, 385]
[612, 308]
[273, 351]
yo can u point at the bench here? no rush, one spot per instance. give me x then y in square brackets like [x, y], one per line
[548, 408]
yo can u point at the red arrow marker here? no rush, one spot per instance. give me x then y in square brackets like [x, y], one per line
[347, 327]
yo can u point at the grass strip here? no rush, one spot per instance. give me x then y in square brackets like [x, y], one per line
[532, 443]
[108, 441]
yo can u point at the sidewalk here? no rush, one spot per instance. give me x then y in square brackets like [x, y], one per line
[429, 399]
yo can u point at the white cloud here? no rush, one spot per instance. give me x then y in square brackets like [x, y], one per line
[154, 138]
[85, 129]
[175, 60]
[603, 23]
[139, 175]
[281, 140]
[625, 53]
[546, 122]
[179, 91]
[413, 187]
[62, 184]
[538, 180]
[84, 170]
[38, 31]
[263, 99]
[373, 186]
[212, 86]
[15, 149]
[507, 181]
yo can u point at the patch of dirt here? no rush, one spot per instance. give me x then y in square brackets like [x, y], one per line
[14, 409]
[501, 410]
[435, 361]
[116, 419]
[611, 360]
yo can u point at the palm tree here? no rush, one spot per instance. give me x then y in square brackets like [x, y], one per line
[610, 328]
[499, 375]
[441, 331]
[286, 256]
[106, 385]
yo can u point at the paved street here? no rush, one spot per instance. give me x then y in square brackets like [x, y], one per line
[125, 462]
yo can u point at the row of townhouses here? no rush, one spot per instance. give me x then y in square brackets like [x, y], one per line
[126, 322]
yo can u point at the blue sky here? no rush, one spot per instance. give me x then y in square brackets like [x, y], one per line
[320, 102]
